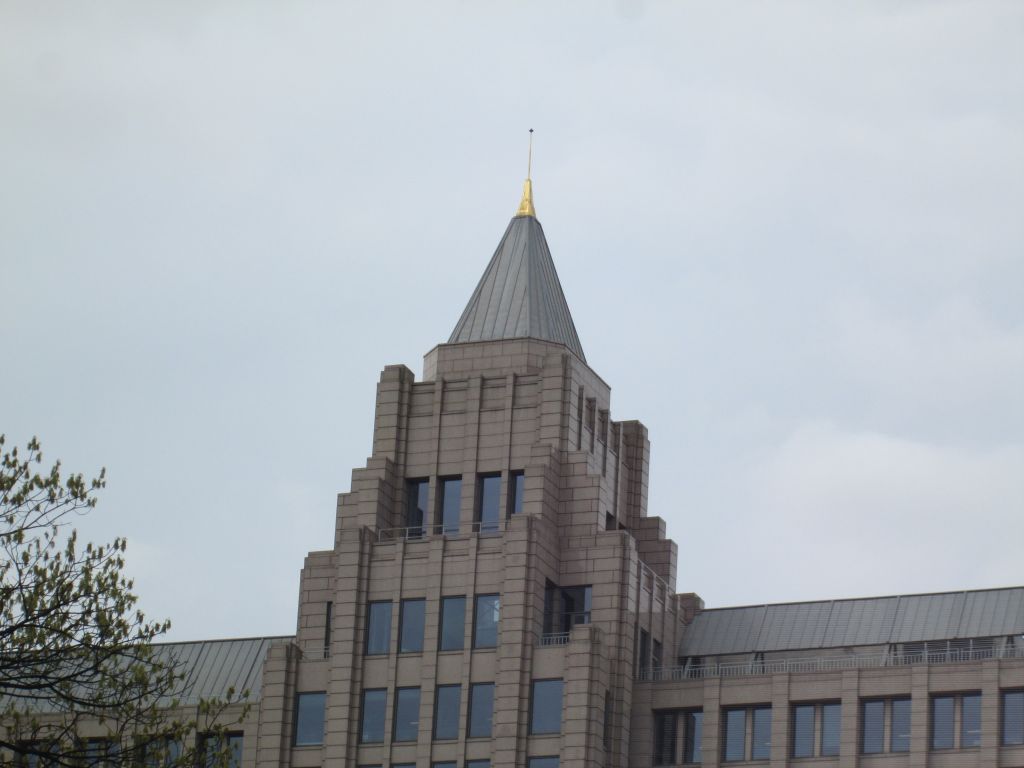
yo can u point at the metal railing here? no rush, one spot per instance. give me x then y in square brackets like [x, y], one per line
[824, 664]
[423, 532]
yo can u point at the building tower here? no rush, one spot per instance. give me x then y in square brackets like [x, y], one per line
[494, 576]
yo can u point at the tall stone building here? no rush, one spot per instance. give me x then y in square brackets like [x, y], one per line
[497, 595]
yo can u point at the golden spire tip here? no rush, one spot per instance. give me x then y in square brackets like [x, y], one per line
[526, 204]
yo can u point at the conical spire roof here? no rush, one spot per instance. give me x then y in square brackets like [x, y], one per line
[519, 294]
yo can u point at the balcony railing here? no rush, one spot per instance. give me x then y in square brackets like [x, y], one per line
[554, 638]
[825, 664]
[422, 532]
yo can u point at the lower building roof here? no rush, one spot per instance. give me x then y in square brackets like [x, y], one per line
[861, 621]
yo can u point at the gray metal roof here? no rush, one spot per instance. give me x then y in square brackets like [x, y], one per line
[213, 666]
[519, 294]
[863, 621]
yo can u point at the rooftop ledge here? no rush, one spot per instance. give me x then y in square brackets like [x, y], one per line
[824, 664]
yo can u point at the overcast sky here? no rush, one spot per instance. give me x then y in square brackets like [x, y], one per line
[791, 236]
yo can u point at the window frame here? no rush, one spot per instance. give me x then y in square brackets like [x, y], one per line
[1004, 694]
[363, 712]
[482, 525]
[476, 620]
[456, 688]
[751, 746]
[309, 696]
[443, 526]
[546, 731]
[471, 711]
[402, 625]
[395, 718]
[370, 606]
[445, 600]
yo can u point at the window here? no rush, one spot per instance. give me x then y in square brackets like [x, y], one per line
[161, 752]
[453, 623]
[607, 731]
[750, 725]
[542, 762]
[565, 607]
[371, 729]
[445, 764]
[451, 499]
[481, 710]
[815, 730]
[656, 655]
[478, 764]
[884, 722]
[309, 718]
[328, 618]
[665, 738]
[407, 715]
[692, 734]
[546, 706]
[416, 507]
[1013, 718]
[100, 752]
[378, 628]
[953, 713]
[210, 747]
[410, 626]
[643, 656]
[485, 621]
[517, 484]
[446, 712]
[488, 502]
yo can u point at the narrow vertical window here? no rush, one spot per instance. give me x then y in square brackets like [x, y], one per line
[546, 707]
[761, 737]
[517, 484]
[485, 621]
[309, 718]
[665, 738]
[970, 720]
[371, 727]
[453, 623]
[407, 715]
[416, 507]
[488, 503]
[607, 732]
[872, 727]
[446, 712]
[692, 736]
[942, 722]
[328, 619]
[803, 730]
[734, 738]
[831, 719]
[643, 658]
[1013, 718]
[451, 500]
[481, 710]
[899, 739]
[378, 628]
[410, 626]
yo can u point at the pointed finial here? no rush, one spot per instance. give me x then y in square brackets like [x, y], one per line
[526, 204]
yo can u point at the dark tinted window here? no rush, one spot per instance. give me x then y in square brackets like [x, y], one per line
[485, 621]
[734, 744]
[665, 738]
[643, 652]
[692, 737]
[451, 498]
[831, 717]
[453, 623]
[309, 718]
[542, 762]
[378, 628]
[803, 730]
[446, 712]
[481, 710]
[899, 741]
[478, 764]
[490, 496]
[416, 506]
[761, 746]
[872, 727]
[970, 720]
[942, 722]
[410, 626]
[445, 764]
[371, 730]
[1013, 717]
[407, 714]
[517, 481]
[546, 706]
